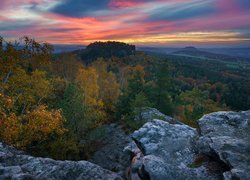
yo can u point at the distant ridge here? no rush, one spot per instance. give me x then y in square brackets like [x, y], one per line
[233, 51]
[190, 48]
[194, 52]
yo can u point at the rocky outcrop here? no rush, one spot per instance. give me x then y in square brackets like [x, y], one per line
[16, 165]
[168, 151]
[162, 149]
[148, 114]
[226, 135]
[220, 149]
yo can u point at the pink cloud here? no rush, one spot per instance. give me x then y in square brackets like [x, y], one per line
[228, 6]
[130, 24]
[119, 4]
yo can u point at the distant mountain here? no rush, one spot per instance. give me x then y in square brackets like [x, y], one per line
[194, 52]
[105, 50]
[61, 48]
[161, 50]
[237, 52]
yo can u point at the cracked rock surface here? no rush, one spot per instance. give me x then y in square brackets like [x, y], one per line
[226, 135]
[16, 165]
[220, 149]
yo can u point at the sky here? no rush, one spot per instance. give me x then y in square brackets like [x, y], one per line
[140, 22]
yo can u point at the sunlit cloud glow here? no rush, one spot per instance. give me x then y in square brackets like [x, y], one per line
[141, 22]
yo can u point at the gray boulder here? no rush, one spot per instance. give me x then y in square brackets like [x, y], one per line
[226, 135]
[218, 149]
[168, 152]
[16, 165]
[148, 114]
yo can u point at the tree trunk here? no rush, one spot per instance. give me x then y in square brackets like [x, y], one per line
[7, 77]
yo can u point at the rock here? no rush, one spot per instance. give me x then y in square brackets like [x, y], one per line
[161, 149]
[219, 148]
[149, 114]
[16, 165]
[226, 135]
[168, 152]
[111, 155]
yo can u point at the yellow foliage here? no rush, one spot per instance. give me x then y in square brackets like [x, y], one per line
[35, 126]
[8, 103]
[108, 86]
[87, 81]
[28, 89]
[10, 128]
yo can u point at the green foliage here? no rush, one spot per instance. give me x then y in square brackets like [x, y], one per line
[135, 86]
[73, 108]
[192, 105]
[138, 104]
[159, 91]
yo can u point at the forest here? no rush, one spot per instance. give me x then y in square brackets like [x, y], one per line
[50, 103]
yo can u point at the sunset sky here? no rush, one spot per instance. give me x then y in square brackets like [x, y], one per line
[140, 22]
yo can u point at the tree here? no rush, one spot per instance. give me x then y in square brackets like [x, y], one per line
[28, 89]
[195, 103]
[87, 81]
[138, 104]
[74, 109]
[159, 91]
[135, 86]
[31, 129]
[108, 86]
[31, 53]
[67, 66]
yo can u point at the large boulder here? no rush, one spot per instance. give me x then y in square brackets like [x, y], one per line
[168, 152]
[218, 149]
[226, 135]
[16, 165]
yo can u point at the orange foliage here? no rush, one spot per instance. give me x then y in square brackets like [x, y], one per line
[35, 126]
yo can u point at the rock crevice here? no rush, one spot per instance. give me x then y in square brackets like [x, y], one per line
[218, 149]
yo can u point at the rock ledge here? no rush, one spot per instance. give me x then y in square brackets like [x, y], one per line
[16, 165]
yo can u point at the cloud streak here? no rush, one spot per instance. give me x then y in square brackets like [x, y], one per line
[154, 22]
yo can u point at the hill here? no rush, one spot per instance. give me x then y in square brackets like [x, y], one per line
[105, 50]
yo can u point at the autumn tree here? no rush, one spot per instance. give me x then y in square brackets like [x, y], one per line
[87, 81]
[67, 66]
[32, 128]
[108, 85]
[193, 104]
[28, 90]
[24, 53]
[25, 120]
